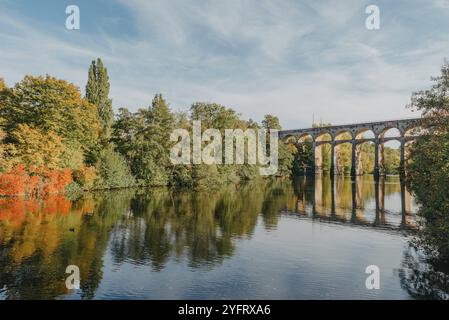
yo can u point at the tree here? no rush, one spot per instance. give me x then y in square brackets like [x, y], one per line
[285, 154]
[4, 161]
[392, 160]
[2, 84]
[34, 148]
[428, 167]
[303, 160]
[214, 115]
[144, 139]
[271, 122]
[112, 170]
[50, 105]
[97, 93]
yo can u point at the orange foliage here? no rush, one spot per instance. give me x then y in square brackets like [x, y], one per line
[14, 181]
[57, 205]
[38, 181]
[12, 212]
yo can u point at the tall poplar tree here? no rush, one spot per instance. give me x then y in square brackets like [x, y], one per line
[97, 92]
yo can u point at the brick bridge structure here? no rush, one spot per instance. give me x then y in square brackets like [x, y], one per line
[332, 135]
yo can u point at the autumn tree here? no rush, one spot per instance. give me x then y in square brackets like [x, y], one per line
[51, 105]
[2, 84]
[34, 148]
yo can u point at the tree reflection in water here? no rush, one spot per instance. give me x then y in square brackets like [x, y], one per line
[424, 277]
[40, 238]
[425, 267]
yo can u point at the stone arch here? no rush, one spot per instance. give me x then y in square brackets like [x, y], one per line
[337, 135]
[290, 138]
[324, 136]
[366, 133]
[303, 136]
[414, 130]
[384, 133]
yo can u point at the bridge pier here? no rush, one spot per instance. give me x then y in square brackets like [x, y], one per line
[376, 159]
[402, 159]
[353, 160]
[314, 158]
[332, 169]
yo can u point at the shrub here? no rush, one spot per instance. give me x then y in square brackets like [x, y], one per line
[112, 170]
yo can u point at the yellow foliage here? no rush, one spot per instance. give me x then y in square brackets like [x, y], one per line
[34, 148]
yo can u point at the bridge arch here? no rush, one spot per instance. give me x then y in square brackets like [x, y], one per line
[414, 130]
[339, 134]
[303, 137]
[390, 132]
[291, 138]
[365, 133]
[324, 136]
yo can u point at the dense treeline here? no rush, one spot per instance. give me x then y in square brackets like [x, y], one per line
[53, 139]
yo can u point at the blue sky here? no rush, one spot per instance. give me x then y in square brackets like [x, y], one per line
[293, 58]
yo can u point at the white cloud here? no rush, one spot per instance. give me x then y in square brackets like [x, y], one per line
[285, 58]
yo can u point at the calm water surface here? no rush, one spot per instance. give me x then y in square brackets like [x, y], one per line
[306, 239]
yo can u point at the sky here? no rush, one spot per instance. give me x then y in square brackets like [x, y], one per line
[300, 60]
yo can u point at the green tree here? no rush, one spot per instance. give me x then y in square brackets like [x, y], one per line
[213, 115]
[112, 170]
[285, 154]
[303, 160]
[144, 139]
[428, 168]
[97, 93]
[271, 122]
[391, 160]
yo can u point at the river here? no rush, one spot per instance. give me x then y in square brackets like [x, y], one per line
[277, 239]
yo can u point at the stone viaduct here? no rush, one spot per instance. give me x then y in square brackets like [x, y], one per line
[355, 134]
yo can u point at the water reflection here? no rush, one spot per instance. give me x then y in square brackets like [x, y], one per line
[423, 277]
[384, 202]
[162, 228]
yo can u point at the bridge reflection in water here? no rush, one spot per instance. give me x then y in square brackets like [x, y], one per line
[384, 202]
